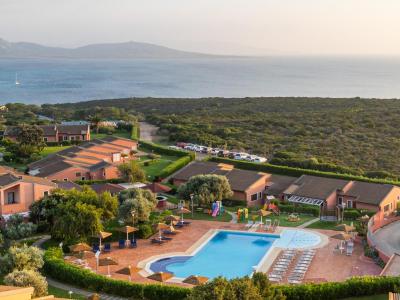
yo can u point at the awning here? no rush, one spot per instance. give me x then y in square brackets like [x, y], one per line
[305, 200]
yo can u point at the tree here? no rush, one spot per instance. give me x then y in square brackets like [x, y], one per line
[132, 172]
[95, 121]
[142, 201]
[255, 288]
[109, 205]
[21, 258]
[25, 278]
[206, 189]
[29, 141]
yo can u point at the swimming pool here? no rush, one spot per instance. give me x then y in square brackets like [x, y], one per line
[232, 253]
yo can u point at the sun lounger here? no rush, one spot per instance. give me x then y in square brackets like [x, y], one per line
[157, 241]
[349, 250]
[121, 244]
[95, 248]
[274, 279]
[107, 247]
[133, 243]
[249, 224]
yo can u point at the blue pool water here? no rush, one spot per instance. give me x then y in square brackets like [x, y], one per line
[229, 254]
[233, 254]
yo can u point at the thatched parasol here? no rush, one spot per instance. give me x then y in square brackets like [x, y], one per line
[127, 230]
[161, 276]
[80, 247]
[129, 270]
[171, 218]
[160, 227]
[102, 235]
[345, 227]
[108, 261]
[182, 210]
[263, 213]
[195, 280]
[342, 236]
[84, 254]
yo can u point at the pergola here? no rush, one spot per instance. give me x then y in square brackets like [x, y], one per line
[306, 200]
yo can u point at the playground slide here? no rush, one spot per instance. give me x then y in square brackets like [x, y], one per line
[215, 212]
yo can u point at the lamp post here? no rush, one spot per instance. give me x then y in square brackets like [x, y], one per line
[133, 216]
[191, 201]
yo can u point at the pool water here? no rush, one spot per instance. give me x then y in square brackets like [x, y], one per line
[228, 254]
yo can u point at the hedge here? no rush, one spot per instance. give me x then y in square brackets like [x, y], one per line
[353, 287]
[165, 150]
[135, 133]
[296, 172]
[90, 182]
[175, 166]
[56, 268]
[304, 209]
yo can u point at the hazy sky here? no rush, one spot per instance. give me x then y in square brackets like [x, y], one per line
[259, 27]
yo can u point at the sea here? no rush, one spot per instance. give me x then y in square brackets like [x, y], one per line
[72, 80]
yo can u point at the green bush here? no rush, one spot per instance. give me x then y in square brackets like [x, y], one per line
[303, 209]
[135, 132]
[233, 202]
[90, 182]
[145, 231]
[296, 172]
[351, 214]
[175, 166]
[56, 268]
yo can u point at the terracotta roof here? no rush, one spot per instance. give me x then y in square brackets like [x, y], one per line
[68, 185]
[240, 180]
[6, 179]
[315, 187]
[277, 184]
[73, 129]
[100, 165]
[56, 167]
[107, 187]
[157, 188]
[371, 193]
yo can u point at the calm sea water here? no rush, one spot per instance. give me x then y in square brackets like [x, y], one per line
[61, 80]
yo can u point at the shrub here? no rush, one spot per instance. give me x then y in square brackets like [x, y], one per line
[27, 278]
[351, 214]
[175, 166]
[59, 270]
[23, 257]
[303, 209]
[233, 202]
[153, 156]
[145, 231]
[165, 150]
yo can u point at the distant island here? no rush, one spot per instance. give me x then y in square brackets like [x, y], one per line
[127, 50]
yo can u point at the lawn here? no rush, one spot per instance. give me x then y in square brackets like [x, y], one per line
[328, 225]
[155, 167]
[59, 293]
[225, 217]
[53, 149]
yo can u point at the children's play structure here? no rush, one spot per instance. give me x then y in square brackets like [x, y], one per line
[217, 208]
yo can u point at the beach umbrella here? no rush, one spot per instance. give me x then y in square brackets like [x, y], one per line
[345, 227]
[171, 218]
[263, 213]
[84, 254]
[80, 247]
[172, 229]
[161, 276]
[195, 280]
[182, 210]
[108, 261]
[127, 230]
[129, 270]
[161, 226]
[101, 236]
[342, 236]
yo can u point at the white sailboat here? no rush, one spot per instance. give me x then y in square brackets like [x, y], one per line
[16, 79]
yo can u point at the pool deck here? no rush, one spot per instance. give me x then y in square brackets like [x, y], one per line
[327, 265]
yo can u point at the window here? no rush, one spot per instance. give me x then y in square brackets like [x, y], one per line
[350, 203]
[254, 197]
[65, 179]
[340, 200]
[45, 193]
[11, 198]
[83, 178]
[45, 139]
[72, 138]
[78, 174]
[65, 138]
[386, 208]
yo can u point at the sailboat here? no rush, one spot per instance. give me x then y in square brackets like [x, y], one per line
[16, 79]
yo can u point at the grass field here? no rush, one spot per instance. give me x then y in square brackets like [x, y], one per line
[328, 225]
[120, 133]
[59, 293]
[155, 167]
[53, 149]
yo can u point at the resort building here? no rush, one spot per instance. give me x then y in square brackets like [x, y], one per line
[247, 186]
[18, 191]
[57, 133]
[333, 195]
[93, 160]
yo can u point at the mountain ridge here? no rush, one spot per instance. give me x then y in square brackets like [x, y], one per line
[124, 50]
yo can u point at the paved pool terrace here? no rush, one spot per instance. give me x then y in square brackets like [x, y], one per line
[327, 264]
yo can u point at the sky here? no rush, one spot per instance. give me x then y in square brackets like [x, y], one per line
[239, 27]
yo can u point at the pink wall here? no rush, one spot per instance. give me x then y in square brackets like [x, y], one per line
[69, 174]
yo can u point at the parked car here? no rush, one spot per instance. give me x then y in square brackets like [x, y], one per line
[240, 156]
[223, 153]
[215, 151]
[259, 159]
[181, 144]
[205, 150]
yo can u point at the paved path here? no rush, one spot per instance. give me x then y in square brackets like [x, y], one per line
[308, 223]
[148, 132]
[387, 239]
[68, 287]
